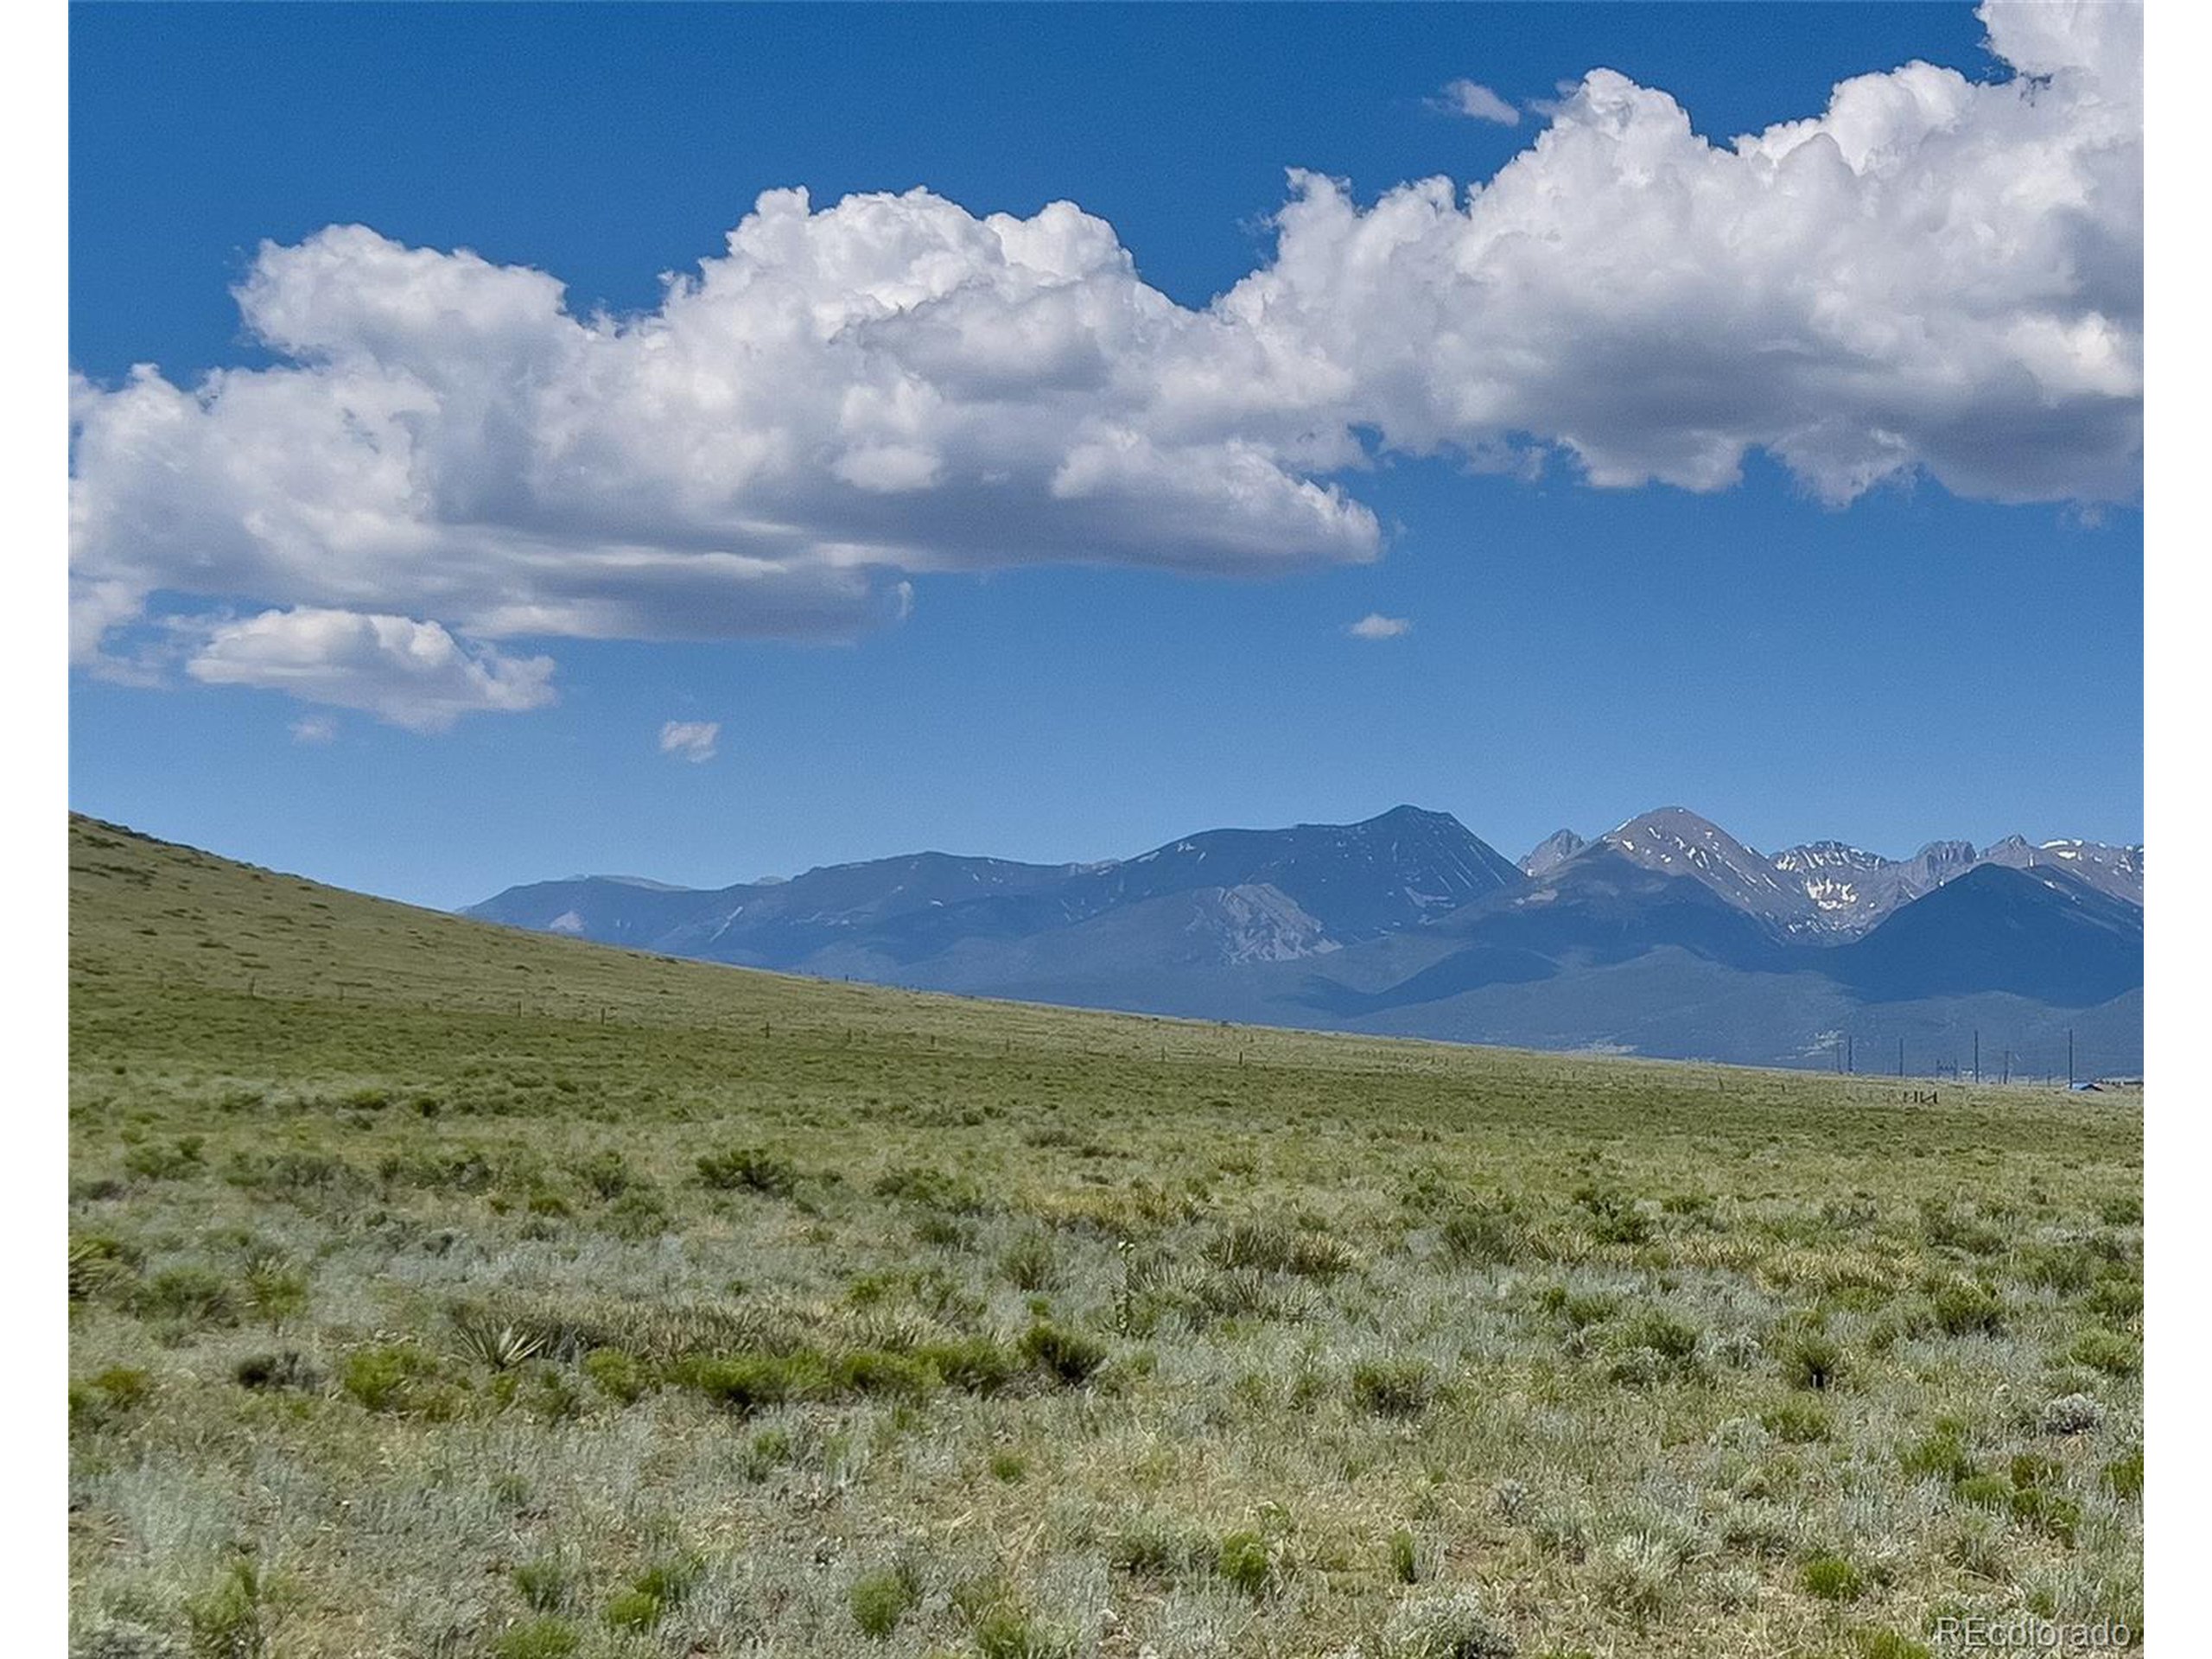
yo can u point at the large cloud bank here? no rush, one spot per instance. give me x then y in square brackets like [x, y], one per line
[1934, 278]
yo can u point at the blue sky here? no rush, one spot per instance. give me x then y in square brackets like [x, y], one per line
[1931, 658]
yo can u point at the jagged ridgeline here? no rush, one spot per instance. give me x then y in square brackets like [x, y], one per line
[1665, 937]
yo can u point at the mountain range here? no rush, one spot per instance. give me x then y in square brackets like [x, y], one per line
[1666, 936]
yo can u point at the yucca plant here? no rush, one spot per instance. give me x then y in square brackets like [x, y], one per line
[499, 1347]
[276, 1289]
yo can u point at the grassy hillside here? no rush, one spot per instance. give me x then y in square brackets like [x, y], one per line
[441, 1290]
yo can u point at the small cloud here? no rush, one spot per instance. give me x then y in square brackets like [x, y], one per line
[1376, 625]
[1477, 102]
[314, 729]
[690, 740]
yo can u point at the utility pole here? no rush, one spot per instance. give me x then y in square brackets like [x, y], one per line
[1977, 1057]
[2069, 1057]
[2006, 1074]
[1900, 1057]
[1850, 1056]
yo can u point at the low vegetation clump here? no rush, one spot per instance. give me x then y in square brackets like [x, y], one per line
[539, 1638]
[880, 1598]
[1452, 1625]
[1403, 1388]
[748, 1169]
[1833, 1578]
[1249, 1562]
[1798, 1421]
[1064, 1355]
[459, 1292]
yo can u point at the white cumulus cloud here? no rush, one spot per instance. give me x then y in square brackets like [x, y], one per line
[690, 740]
[1477, 102]
[1376, 625]
[408, 673]
[1933, 277]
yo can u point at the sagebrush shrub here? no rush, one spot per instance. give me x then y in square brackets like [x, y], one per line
[607, 1173]
[932, 1189]
[1652, 1347]
[1613, 1216]
[183, 1157]
[1446, 1624]
[748, 1169]
[2072, 1413]
[189, 1295]
[1488, 1235]
[639, 1213]
[1639, 1572]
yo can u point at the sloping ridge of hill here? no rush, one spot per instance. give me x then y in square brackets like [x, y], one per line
[218, 964]
[1602, 955]
[1224, 896]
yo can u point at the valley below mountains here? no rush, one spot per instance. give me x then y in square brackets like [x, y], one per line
[1666, 936]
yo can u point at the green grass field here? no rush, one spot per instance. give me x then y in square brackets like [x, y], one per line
[438, 1290]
